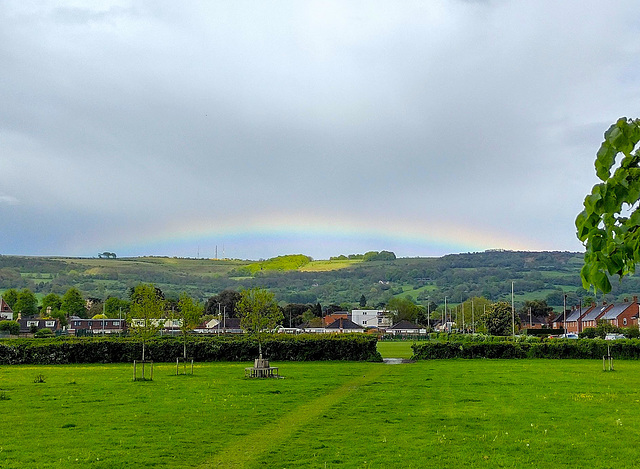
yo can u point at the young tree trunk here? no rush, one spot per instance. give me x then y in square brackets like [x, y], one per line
[260, 350]
[185, 347]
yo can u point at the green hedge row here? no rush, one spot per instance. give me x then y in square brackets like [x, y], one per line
[356, 347]
[554, 348]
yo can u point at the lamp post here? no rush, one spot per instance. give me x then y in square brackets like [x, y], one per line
[445, 314]
[513, 314]
[473, 319]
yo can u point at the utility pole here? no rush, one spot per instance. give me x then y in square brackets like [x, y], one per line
[513, 314]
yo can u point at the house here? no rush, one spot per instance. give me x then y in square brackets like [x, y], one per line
[30, 324]
[624, 314]
[220, 326]
[591, 319]
[329, 318]
[368, 318]
[96, 326]
[533, 322]
[343, 325]
[574, 320]
[6, 314]
[406, 328]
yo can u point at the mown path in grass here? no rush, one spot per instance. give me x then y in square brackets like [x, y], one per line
[247, 449]
[438, 413]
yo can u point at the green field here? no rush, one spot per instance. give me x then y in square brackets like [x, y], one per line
[395, 349]
[456, 413]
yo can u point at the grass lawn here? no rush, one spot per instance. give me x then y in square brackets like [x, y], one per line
[396, 349]
[455, 413]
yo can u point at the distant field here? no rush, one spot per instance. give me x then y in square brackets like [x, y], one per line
[326, 266]
[456, 413]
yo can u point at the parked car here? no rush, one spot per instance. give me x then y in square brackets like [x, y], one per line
[569, 335]
[613, 336]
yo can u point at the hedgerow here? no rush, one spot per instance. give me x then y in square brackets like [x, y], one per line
[304, 347]
[554, 349]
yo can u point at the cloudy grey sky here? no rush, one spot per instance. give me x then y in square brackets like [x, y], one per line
[320, 127]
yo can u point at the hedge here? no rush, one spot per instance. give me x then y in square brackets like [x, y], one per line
[304, 347]
[553, 348]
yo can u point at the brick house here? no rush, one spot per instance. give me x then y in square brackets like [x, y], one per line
[96, 326]
[575, 319]
[591, 319]
[624, 314]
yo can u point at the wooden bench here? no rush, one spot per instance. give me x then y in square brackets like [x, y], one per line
[261, 369]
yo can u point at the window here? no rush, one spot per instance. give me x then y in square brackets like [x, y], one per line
[624, 321]
[50, 324]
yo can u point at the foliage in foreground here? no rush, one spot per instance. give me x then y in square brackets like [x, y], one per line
[609, 225]
[552, 348]
[355, 347]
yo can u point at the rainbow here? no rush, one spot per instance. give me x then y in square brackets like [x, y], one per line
[318, 236]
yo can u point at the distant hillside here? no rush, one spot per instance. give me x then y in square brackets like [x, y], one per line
[298, 279]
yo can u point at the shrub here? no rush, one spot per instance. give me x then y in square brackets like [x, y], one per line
[356, 347]
[44, 332]
[553, 349]
[12, 327]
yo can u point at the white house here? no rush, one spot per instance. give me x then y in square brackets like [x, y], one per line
[372, 318]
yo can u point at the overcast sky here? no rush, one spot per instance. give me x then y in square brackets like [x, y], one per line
[324, 128]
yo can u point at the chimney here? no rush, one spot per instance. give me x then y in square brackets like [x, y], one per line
[635, 299]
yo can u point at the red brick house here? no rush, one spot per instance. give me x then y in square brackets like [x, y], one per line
[624, 314]
[591, 319]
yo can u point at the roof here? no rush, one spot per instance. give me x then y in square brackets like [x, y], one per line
[404, 325]
[597, 311]
[4, 306]
[342, 323]
[524, 317]
[616, 311]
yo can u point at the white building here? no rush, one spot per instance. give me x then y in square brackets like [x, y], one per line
[372, 318]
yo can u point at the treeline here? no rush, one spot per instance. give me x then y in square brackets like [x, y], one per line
[548, 275]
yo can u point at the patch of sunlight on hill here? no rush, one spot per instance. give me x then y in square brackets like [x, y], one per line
[289, 262]
[326, 266]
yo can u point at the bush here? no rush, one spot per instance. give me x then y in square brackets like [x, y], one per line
[44, 332]
[12, 327]
[356, 347]
[547, 348]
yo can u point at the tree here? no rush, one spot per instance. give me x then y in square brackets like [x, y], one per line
[403, 309]
[115, 307]
[27, 303]
[52, 301]
[539, 308]
[145, 313]
[499, 319]
[363, 301]
[225, 301]
[11, 297]
[473, 310]
[12, 327]
[190, 315]
[73, 304]
[258, 313]
[609, 225]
